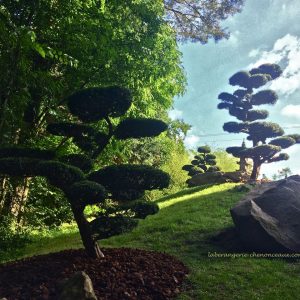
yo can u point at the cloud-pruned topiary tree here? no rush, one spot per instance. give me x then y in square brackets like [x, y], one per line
[93, 108]
[203, 162]
[241, 105]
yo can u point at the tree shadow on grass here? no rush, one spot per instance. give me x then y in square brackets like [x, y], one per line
[227, 240]
[184, 192]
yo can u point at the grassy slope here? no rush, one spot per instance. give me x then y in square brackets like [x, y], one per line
[183, 227]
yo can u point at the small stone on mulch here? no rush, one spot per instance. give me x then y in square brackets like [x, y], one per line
[123, 273]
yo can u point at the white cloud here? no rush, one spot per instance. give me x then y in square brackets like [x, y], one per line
[297, 172]
[291, 111]
[286, 52]
[233, 39]
[253, 53]
[191, 141]
[291, 151]
[175, 114]
[291, 125]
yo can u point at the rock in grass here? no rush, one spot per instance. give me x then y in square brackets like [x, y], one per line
[78, 287]
[267, 219]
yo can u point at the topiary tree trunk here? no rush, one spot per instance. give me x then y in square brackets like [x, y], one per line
[255, 169]
[90, 244]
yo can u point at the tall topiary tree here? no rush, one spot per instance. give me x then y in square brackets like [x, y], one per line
[241, 105]
[203, 162]
[93, 110]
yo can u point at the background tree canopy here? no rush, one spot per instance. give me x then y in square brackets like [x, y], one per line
[51, 49]
[199, 20]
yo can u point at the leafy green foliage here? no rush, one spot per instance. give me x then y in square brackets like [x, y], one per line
[135, 177]
[46, 206]
[204, 149]
[283, 142]
[19, 166]
[235, 151]
[254, 115]
[137, 128]
[12, 236]
[26, 152]
[272, 70]
[296, 137]
[143, 209]
[80, 161]
[124, 182]
[122, 218]
[59, 174]
[104, 227]
[198, 21]
[234, 127]
[240, 78]
[86, 192]
[94, 104]
[70, 129]
[87, 45]
[260, 131]
[261, 151]
[264, 97]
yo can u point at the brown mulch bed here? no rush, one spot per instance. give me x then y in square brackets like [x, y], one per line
[123, 274]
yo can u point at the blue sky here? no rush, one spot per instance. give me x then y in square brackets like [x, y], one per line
[265, 31]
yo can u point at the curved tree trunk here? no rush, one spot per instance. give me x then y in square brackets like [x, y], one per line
[255, 170]
[91, 246]
[243, 164]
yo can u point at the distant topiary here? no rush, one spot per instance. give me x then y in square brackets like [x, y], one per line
[240, 105]
[72, 173]
[203, 162]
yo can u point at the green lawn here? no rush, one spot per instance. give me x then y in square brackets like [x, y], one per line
[183, 227]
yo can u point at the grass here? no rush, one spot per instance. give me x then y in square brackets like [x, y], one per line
[183, 228]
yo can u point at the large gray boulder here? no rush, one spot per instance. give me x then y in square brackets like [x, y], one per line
[78, 287]
[267, 219]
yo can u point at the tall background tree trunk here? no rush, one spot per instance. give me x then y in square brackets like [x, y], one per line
[19, 199]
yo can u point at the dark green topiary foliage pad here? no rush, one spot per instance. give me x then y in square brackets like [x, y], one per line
[70, 129]
[59, 174]
[80, 161]
[283, 142]
[104, 227]
[130, 177]
[19, 152]
[86, 192]
[139, 127]
[20, 166]
[127, 195]
[94, 104]
[144, 209]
